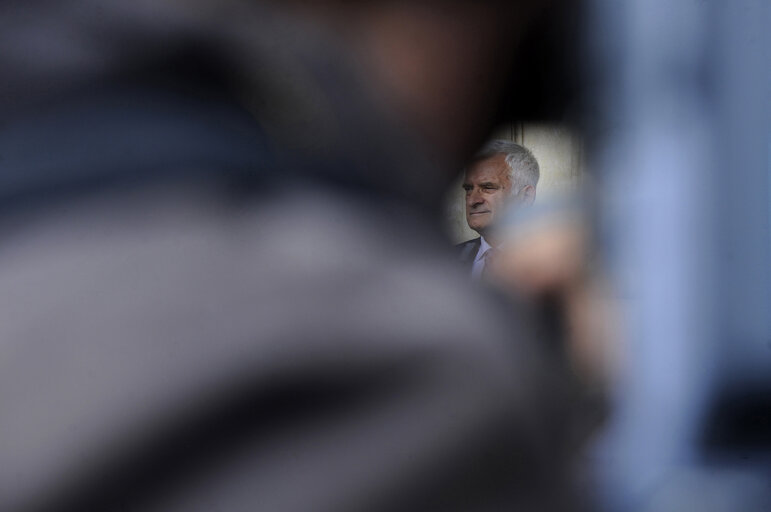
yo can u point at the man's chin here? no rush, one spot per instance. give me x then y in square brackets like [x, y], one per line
[478, 228]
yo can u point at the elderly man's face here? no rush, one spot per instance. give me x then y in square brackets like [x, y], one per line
[488, 188]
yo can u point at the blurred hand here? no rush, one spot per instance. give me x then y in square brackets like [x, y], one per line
[547, 256]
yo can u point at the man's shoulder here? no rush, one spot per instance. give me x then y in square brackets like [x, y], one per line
[473, 241]
[468, 249]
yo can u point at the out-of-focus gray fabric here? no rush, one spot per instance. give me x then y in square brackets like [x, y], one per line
[187, 325]
[304, 355]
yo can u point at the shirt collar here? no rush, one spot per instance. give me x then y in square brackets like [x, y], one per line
[483, 248]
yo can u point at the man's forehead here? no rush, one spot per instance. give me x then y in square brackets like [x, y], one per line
[494, 167]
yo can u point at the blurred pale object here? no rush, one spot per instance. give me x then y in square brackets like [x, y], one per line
[546, 255]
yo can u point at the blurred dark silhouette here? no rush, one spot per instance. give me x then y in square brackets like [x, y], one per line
[222, 283]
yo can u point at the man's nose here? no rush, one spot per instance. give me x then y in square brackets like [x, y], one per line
[474, 198]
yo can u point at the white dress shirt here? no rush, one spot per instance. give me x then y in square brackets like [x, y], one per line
[479, 260]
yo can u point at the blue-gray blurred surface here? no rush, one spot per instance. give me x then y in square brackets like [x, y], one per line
[682, 148]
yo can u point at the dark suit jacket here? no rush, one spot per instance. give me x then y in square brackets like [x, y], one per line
[467, 251]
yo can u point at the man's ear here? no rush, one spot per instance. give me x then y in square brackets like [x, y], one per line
[527, 195]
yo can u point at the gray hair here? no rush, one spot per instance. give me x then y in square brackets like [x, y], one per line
[523, 167]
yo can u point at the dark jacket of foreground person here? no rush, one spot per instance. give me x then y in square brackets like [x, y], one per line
[189, 322]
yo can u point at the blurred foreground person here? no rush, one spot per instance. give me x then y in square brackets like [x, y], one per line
[503, 174]
[206, 311]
